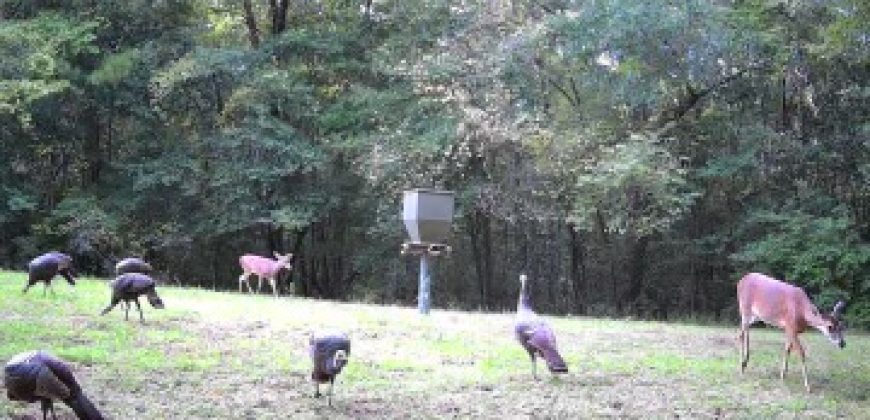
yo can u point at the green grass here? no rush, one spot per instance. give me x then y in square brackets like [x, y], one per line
[226, 355]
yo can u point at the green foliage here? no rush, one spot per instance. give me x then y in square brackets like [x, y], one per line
[17, 202]
[844, 35]
[82, 222]
[45, 46]
[116, 67]
[45, 49]
[568, 130]
[638, 188]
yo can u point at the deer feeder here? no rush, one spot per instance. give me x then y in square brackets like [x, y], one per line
[428, 216]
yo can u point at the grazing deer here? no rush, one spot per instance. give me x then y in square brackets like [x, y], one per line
[264, 268]
[785, 306]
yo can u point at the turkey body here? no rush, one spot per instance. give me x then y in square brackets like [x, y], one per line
[329, 354]
[128, 287]
[46, 266]
[535, 335]
[132, 265]
[38, 376]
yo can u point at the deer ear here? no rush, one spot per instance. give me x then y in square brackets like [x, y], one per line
[838, 309]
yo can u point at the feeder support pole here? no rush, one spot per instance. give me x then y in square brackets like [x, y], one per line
[425, 282]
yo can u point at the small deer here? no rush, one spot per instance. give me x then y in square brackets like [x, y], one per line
[785, 306]
[264, 268]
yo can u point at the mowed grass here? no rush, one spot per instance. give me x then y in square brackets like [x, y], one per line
[226, 355]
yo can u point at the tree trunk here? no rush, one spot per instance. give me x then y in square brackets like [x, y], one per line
[298, 263]
[275, 239]
[487, 254]
[278, 9]
[546, 233]
[251, 23]
[92, 147]
[476, 255]
[578, 270]
[218, 95]
[636, 270]
[480, 232]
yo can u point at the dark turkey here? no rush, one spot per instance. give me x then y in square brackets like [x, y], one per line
[132, 265]
[535, 335]
[38, 376]
[128, 287]
[329, 354]
[46, 266]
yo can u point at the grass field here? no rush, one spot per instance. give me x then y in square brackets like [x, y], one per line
[225, 355]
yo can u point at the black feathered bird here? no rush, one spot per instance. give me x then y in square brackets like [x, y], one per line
[132, 265]
[329, 354]
[535, 335]
[38, 376]
[46, 266]
[128, 287]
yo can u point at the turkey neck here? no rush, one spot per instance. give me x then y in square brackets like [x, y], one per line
[524, 304]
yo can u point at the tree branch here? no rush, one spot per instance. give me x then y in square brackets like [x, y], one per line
[564, 91]
[669, 117]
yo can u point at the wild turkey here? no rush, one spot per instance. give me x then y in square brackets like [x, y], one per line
[329, 353]
[132, 265]
[46, 266]
[535, 335]
[38, 376]
[128, 287]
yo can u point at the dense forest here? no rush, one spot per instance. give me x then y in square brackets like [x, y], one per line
[634, 158]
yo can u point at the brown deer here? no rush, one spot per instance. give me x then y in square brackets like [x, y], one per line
[264, 268]
[785, 306]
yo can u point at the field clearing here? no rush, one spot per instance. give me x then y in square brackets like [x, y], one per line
[226, 355]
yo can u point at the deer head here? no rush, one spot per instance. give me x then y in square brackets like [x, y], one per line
[833, 327]
[284, 260]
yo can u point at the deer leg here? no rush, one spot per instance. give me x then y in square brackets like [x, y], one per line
[274, 284]
[245, 279]
[800, 349]
[788, 347]
[743, 339]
